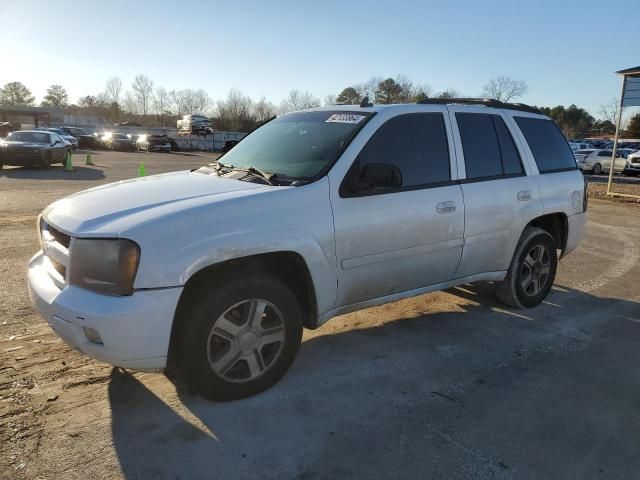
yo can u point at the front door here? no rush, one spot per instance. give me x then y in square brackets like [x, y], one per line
[396, 239]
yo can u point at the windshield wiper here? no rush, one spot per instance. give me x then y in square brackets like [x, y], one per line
[268, 177]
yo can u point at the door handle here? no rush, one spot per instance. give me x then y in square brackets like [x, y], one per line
[524, 195]
[446, 207]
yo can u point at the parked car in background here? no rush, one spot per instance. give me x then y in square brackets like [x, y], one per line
[313, 215]
[153, 143]
[575, 146]
[597, 161]
[33, 148]
[195, 125]
[228, 145]
[85, 139]
[632, 167]
[625, 152]
[73, 141]
[118, 141]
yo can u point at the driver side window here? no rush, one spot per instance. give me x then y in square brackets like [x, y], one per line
[416, 144]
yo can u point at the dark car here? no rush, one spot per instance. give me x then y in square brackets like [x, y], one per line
[152, 143]
[229, 144]
[118, 141]
[85, 139]
[33, 148]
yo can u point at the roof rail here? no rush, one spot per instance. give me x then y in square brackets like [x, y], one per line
[489, 102]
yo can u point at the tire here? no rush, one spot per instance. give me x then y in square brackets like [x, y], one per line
[217, 349]
[597, 169]
[515, 290]
[47, 161]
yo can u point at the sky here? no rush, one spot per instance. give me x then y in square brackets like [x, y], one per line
[566, 51]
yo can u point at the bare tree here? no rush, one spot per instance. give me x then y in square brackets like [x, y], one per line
[263, 110]
[142, 90]
[161, 104]
[235, 113]
[297, 100]
[368, 88]
[609, 111]
[505, 89]
[200, 102]
[113, 89]
[177, 101]
[329, 100]
[449, 93]
[129, 104]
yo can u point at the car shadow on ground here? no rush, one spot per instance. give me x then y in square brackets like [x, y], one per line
[55, 172]
[480, 391]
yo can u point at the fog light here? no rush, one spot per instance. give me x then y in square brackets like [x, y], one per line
[93, 336]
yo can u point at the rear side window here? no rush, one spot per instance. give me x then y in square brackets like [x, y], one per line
[548, 145]
[415, 143]
[489, 151]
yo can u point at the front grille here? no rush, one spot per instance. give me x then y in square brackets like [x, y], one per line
[55, 245]
[61, 238]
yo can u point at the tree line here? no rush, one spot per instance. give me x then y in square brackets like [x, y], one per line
[151, 104]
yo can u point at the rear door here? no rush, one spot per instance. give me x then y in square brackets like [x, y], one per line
[397, 239]
[500, 198]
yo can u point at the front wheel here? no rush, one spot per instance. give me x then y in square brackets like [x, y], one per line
[47, 160]
[597, 169]
[237, 338]
[532, 270]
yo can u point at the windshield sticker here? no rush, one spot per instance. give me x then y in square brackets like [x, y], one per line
[345, 118]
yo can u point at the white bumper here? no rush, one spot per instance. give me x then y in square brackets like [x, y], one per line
[135, 330]
[576, 224]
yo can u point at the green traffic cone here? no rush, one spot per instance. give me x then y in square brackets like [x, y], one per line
[88, 161]
[68, 164]
[141, 171]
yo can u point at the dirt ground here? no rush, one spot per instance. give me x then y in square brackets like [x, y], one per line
[445, 385]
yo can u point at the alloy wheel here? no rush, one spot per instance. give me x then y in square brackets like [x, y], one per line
[246, 340]
[535, 270]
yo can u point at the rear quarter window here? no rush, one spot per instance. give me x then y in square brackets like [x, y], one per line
[548, 145]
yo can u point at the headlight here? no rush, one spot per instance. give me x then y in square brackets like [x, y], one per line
[106, 266]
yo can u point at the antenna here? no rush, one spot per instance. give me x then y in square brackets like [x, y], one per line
[365, 102]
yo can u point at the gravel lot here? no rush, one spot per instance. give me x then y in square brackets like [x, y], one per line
[446, 385]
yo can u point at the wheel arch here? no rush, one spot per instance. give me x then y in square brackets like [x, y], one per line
[557, 224]
[287, 266]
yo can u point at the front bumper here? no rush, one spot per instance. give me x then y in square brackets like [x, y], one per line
[135, 330]
[632, 168]
[22, 159]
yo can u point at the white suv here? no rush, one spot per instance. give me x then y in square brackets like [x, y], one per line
[317, 213]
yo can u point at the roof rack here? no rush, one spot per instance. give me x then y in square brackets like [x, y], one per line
[489, 102]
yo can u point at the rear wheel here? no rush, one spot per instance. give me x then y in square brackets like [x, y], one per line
[597, 169]
[237, 338]
[532, 270]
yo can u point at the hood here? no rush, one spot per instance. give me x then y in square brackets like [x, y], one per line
[112, 208]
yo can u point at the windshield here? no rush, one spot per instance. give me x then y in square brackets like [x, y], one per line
[32, 137]
[296, 145]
